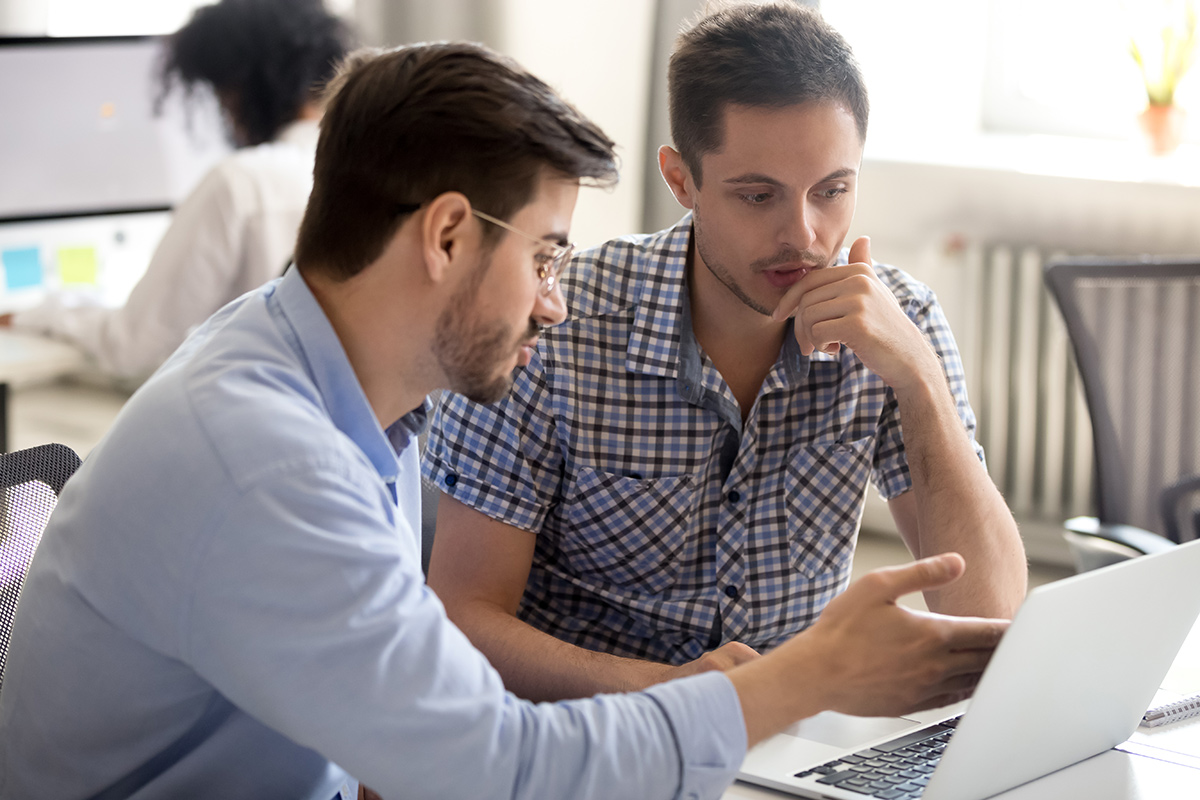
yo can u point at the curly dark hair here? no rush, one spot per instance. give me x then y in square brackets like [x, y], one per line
[264, 58]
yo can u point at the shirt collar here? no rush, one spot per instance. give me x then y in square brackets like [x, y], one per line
[302, 133]
[315, 341]
[654, 339]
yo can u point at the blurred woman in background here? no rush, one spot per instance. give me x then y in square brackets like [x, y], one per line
[267, 62]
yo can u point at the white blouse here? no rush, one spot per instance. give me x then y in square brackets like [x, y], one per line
[234, 232]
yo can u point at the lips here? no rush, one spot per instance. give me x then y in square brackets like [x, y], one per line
[525, 352]
[784, 278]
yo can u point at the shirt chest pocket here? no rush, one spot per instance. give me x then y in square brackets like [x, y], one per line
[825, 484]
[626, 531]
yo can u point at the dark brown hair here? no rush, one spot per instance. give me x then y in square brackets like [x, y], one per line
[405, 125]
[765, 55]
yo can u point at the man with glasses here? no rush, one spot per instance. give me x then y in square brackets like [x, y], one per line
[549, 265]
[228, 601]
[676, 480]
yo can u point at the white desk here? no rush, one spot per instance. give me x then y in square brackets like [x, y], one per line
[1115, 774]
[28, 359]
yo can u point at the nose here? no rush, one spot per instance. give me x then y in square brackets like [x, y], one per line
[550, 309]
[800, 232]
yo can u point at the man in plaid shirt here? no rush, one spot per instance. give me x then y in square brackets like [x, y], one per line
[676, 479]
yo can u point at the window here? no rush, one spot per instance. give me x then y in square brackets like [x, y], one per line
[1008, 66]
[117, 17]
[1065, 67]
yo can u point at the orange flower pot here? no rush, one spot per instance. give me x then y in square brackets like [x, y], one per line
[1163, 127]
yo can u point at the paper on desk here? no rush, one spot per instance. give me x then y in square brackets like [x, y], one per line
[77, 265]
[1178, 742]
[22, 267]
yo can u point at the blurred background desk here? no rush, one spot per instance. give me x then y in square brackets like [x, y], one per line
[28, 361]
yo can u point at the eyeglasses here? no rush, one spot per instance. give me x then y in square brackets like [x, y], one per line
[549, 267]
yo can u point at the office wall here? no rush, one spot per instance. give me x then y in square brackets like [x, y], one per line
[24, 17]
[596, 54]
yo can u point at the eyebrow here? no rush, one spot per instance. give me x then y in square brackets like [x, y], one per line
[761, 178]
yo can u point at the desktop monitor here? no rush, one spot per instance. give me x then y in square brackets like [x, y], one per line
[89, 169]
[80, 130]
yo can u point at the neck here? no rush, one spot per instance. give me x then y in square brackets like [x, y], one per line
[310, 111]
[742, 343]
[394, 379]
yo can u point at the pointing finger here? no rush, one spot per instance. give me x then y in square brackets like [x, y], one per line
[927, 573]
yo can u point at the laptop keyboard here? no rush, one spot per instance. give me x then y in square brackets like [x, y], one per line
[895, 770]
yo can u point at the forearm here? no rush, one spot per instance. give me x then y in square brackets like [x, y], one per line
[768, 689]
[539, 667]
[958, 508]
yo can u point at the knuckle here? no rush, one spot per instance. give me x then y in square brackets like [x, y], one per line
[874, 581]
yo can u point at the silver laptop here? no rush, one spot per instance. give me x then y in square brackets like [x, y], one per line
[1070, 679]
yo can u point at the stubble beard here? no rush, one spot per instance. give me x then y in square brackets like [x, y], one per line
[718, 270]
[470, 350]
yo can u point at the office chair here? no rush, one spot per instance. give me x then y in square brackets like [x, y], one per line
[31, 481]
[1134, 325]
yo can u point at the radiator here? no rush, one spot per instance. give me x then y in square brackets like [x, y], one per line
[1023, 385]
[1027, 394]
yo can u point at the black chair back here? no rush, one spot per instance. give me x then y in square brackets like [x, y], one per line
[30, 481]
[1134, 325]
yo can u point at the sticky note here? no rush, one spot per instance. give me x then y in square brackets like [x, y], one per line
[22, 267]
[77, 264]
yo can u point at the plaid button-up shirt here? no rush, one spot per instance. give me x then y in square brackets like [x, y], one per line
[665, 526]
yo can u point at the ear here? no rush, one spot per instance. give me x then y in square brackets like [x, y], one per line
[446, 235]
[677, 175]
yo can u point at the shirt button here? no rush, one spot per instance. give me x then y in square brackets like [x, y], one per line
[451, 479]
[734, 496]
[731, 591]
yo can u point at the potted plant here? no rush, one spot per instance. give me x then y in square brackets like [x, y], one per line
[1164, 47]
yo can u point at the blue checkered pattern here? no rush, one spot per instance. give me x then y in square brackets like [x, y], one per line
[665, 525]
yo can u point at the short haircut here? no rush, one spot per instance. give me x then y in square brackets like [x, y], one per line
[269, 57]
[403, 126]
[769, 55]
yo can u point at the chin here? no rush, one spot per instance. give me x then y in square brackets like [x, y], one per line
[486, 391]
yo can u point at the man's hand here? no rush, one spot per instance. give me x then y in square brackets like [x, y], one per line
[724, 658]
[884, 659]
[869, 656]
[850, 305]
[6, 320]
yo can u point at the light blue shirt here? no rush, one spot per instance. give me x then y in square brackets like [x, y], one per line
[228, 602]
